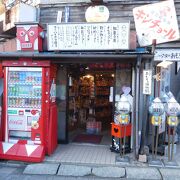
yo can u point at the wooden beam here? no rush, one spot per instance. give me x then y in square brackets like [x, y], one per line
[97, 1]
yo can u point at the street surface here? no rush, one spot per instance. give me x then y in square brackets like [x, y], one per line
[51, 171]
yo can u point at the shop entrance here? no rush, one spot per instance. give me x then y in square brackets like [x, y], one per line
[86, 96]
[90, 110]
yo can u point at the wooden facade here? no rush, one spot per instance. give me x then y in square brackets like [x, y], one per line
[119, 11]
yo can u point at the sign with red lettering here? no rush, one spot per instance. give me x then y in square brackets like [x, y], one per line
[17, 122]
[156, 21]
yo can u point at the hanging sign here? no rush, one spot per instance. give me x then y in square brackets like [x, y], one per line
[147, 77]
[156, 21]
[167, 55]
[88, 36]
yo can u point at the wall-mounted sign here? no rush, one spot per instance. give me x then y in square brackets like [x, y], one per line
[97, 14]
[28, 38]
[167, 55]
[88, 36]
[147, 77]
[156, 21]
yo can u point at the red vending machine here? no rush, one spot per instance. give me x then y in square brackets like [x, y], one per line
[29, 122]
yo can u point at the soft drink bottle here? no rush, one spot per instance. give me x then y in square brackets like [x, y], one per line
[9, 91]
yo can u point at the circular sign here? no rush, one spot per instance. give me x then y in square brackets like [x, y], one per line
[97, 14]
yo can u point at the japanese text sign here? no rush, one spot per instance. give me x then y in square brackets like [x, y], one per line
[88, 36]
[147, 77]
[156, 21]
[167, 55]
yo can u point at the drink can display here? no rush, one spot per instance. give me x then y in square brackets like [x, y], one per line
[21, 77]
[13, 101]
[10, 101]
[12, 91]
[9, 91]
[17, 102]
[15, 77]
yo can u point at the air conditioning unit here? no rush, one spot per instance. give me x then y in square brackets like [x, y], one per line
[19, 13]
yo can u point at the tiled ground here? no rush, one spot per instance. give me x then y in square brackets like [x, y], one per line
[83, 154]
[94, 155]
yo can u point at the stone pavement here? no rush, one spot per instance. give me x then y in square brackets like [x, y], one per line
[52, 171]
[83, 161]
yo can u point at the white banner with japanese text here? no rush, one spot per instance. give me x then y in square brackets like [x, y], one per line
[167, 55]
[88, 36]
[147, 78]
[156, 21]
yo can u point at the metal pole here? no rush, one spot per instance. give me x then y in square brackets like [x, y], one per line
[136, 120]
[157, 137]
[121, 143]
[168, 143]
[152, 142]
[172, 149]
[124, 140]
[144, 123]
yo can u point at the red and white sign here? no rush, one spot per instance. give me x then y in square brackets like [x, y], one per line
[28, 38]
[156, 21]
[17, 123]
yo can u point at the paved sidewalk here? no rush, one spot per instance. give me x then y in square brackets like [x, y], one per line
[85, 161]
[82, 154]
[98, 155]
[52, 171]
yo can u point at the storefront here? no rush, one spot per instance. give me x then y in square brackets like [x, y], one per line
[88, 85]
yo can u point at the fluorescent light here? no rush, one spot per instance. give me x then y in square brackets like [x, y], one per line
[164, 64]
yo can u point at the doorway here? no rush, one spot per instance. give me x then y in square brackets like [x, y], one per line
[90, 110]
[87, 94]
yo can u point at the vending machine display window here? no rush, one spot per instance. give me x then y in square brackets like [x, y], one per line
[24, 91]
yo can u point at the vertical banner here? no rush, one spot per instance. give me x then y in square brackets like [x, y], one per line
[147, 77]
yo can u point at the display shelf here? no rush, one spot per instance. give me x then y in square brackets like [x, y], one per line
[25, 83]
[25, 97]
[84, 94]
[103, 86]
[101, 106]
[102, 94]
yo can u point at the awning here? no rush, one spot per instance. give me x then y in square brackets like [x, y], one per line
[77, 57]
[22, 152]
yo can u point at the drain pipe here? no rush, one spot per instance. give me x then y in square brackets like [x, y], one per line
[136, 120]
